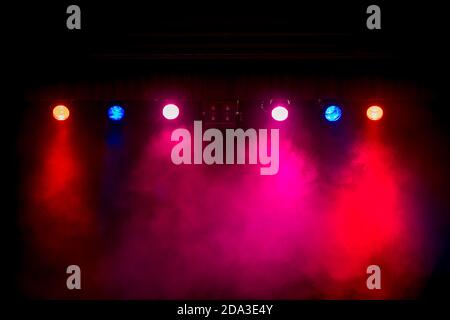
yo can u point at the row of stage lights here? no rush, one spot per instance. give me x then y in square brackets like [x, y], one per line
[171, 111]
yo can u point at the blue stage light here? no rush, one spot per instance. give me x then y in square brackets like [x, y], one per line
[116, 113]
[333, 113]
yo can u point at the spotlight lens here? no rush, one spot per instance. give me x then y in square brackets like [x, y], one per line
[333, 113]
[280, 113]
[116, 113]
[374, 113]
[61, 113]
[170, 111]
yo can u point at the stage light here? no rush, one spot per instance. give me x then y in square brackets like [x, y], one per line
[221, 114]
[333, 113]
[116, 113]
[374, 113]
[280, 113]
[61, 112]
[170, 111]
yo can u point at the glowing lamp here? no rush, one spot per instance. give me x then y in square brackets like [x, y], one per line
[170, 111]
[374, 113]
[280, 113]
[61, 113]
[116, 113]
[333, 113]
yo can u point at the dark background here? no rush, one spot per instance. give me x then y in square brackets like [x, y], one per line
[124, 42]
